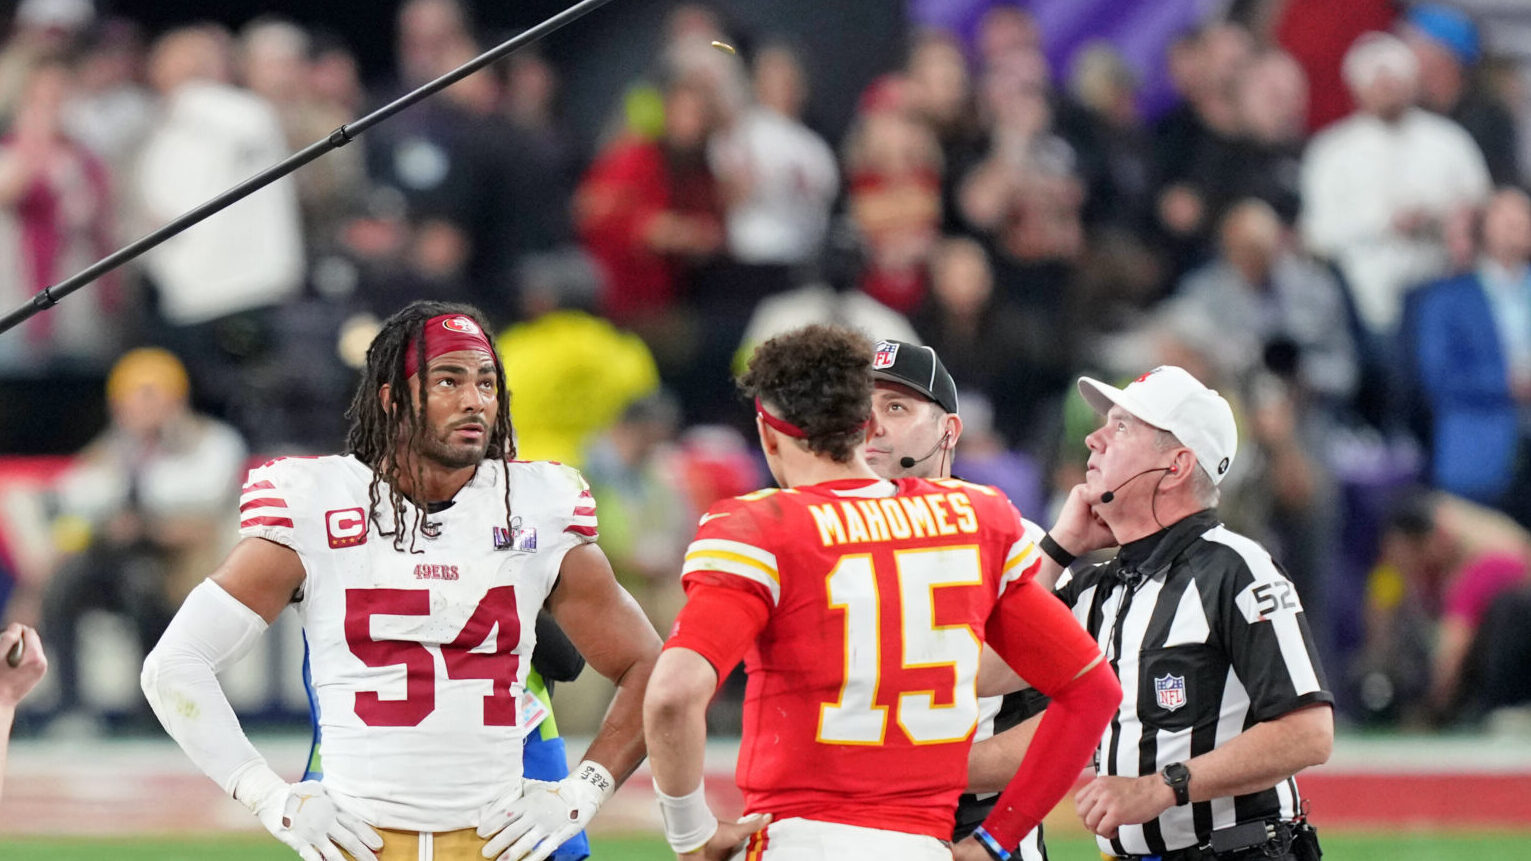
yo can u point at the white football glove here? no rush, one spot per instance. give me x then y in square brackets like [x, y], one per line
[532, 820]
[303, 817]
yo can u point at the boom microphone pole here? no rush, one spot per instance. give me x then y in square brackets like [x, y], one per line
[50, 296]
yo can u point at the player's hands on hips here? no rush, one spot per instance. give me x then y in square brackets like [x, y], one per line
[728, 839]
[303, 816]
[537, 817]
[17, 681]
[1079, 530]
[1107, 803]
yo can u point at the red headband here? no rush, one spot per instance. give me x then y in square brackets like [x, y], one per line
[447, 333]
[781, 425]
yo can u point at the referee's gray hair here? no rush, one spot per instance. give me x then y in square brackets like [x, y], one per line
[1203, 488]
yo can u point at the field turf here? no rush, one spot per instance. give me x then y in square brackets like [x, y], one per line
[1339, 846]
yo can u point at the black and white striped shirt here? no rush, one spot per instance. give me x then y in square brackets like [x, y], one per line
[1208, 638]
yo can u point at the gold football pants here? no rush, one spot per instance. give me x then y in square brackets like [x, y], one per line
[461, 845]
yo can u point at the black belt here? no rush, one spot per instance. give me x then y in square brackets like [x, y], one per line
[1248, 841]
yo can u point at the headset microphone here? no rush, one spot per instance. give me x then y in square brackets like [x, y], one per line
[1111, 494]
[908, 462]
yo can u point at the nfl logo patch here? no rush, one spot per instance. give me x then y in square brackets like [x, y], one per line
[885, 355]
[1170, 691]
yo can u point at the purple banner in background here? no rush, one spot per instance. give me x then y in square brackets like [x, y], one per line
[1140, 29]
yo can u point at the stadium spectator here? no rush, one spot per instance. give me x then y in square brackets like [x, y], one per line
[56, 218]
[16, 682]
[572, 372]
[1100, 119]
[991, 344]
[42, 30]
[1265, 160]
[428, 31]
[1024, 199]
[940, 92]
[1474, 358]
[780, 175]
[1379, 187]
[544, 159]
[893, 196]
[646, 518]
[1445, 42]
[650, 211]
[274, 63]
[215, 284]
[144, 507]
[110, 108]
[1268, 304]
[1442, 565]
[1204, 67]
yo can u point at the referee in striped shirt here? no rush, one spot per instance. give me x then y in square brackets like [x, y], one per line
[1224, 698]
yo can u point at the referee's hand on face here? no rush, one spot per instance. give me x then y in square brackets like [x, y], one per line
[1108, 803]
[1079, 530]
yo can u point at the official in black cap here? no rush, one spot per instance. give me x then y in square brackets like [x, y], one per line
[916, 406]
[915, 402]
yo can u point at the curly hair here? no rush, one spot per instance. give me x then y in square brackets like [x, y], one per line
[820, 379]
[378, 433]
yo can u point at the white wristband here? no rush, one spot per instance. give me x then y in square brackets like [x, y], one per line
[253, 783]
[595, 775]
[688, 821]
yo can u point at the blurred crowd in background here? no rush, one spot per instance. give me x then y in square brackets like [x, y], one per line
[1315, 207]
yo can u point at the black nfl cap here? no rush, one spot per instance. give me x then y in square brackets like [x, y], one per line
[917, 367]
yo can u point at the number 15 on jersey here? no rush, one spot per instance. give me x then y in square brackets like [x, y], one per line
[920, 642]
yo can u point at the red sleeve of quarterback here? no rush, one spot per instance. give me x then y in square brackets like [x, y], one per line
[732, 549]
[719, 623]
[1071, 728]
[1038, 637]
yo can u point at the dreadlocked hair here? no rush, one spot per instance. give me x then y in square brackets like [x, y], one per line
[820, 379]
[379, 432]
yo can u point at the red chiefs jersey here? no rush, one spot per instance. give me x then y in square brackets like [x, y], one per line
[872, 599]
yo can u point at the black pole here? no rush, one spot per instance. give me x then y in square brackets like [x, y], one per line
[50, 296]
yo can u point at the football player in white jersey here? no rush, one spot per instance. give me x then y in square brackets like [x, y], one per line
[417, 563]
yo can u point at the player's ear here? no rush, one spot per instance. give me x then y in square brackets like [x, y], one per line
[768, 441]
[383, 395]
[953, 431]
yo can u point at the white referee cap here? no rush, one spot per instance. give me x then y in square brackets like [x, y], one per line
[1169, 398]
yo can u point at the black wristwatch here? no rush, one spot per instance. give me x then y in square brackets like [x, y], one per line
[1178, 777]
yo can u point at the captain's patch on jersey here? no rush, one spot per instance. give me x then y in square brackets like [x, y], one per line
[346, 527]
[886, 353]
[1170, 692]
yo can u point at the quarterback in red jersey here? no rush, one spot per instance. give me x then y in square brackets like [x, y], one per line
[860, 606]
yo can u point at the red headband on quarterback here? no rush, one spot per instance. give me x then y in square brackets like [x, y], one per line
[447, 333]
[779, 424]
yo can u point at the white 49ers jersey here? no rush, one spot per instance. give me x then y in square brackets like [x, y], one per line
[419, 657]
